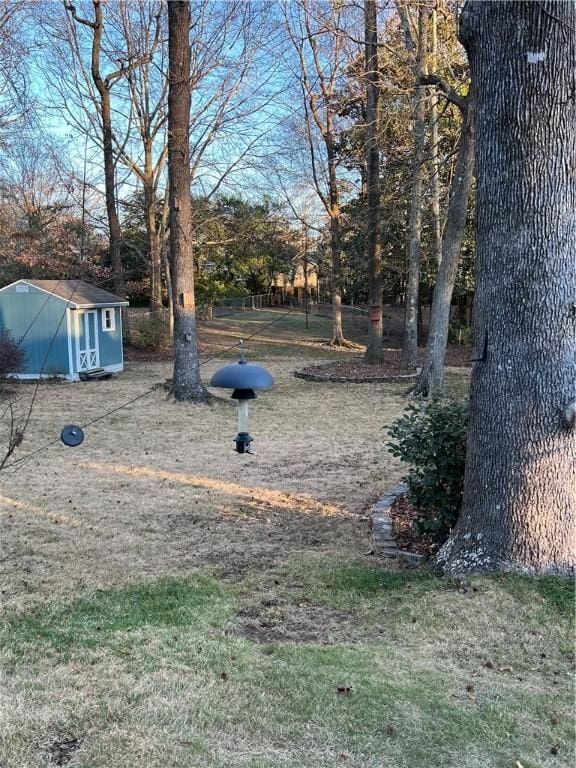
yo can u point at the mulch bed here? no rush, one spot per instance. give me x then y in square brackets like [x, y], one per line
[403, 515]
[357, 371]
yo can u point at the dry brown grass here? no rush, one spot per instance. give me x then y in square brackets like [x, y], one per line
[157, 488]
[167, 602]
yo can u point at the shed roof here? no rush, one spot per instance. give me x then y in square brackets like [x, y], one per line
[78, 293]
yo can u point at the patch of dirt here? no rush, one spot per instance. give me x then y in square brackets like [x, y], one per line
[61, 752]
[403, 515]
[233, 566]
[356, 370]
[302, 623]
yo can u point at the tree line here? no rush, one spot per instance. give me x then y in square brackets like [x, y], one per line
[288, 99]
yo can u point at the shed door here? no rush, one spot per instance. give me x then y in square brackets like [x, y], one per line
[88, 351]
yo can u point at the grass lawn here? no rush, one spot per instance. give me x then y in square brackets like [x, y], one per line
[166, 602]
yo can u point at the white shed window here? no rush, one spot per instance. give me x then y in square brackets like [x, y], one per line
[108, 319]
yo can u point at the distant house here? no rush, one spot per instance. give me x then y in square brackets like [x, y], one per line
[66, 328]
[293, 284]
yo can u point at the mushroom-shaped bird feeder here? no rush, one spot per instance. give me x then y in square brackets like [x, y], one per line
[243, 378]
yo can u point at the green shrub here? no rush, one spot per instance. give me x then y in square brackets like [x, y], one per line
[150, 333]
[459, 333]
[431, 439]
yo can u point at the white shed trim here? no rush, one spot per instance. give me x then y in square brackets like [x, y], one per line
[69, 333]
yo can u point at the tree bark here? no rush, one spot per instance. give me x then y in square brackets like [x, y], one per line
[374, 348]
[434, 149]
[186, 381]
[166, 262]
[519, 507]
[338, 339]
[410, 344]
[154, 238]
[431, 379]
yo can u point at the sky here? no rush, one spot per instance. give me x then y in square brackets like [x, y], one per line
[255, 144]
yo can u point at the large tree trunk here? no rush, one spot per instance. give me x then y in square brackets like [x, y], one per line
[519, 508]
[374, 348]
[410, 345]
[431, 379]
[186, 382]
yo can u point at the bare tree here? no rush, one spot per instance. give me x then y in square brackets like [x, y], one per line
[227, 127]
[320, 47]
[418, 51]
[187, 384]
[435, 145]
[431, 378]
[102, 97]
[374, 348]
[519, 505]
[139, 33]
[13, 78]
[233, 81]
[89, 59]
[32, 184]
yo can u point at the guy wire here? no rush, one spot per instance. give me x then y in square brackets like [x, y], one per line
[147, 392]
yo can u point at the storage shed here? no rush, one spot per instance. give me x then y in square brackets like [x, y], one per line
[66, 328]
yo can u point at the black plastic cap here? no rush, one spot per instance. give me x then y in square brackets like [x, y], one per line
[242, 441]
[243, 394]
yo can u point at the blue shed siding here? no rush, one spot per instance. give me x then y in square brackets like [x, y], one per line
[39, 318]
[39, 321]
[110, 341]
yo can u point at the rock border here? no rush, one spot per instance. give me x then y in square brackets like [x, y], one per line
[327, 378]
[384, 543]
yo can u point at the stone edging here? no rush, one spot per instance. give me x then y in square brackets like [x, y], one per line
[354, 379]
[381, 527]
